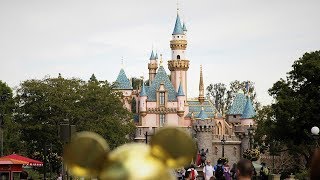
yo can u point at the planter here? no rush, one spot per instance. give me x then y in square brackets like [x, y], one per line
[274, 176]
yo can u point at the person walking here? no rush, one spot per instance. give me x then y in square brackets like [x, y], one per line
[218, 170]
[226, 171]
[233, 171]
[193, 172]
[244, 169]
[208, 171]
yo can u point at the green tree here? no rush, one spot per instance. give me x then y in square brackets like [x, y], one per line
[92, 106]
[296, 108]
[136, 82]
[8, 126]
[222, 97]
[217, 92]
[236, 86]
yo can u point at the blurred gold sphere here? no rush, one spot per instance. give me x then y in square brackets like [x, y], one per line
[134, 162]
[173, 146]
[85, 154]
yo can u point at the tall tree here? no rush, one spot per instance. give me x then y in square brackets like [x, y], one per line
[297, 107]
[222, 97]
[92, 106]
[136, 82]
[246, 87]
[217, 92]
[8, 126]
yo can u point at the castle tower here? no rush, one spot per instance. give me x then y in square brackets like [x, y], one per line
[179, 65]
[201, 87]
[143, 101]
[202, 125]
[181, 99]
[152, 66]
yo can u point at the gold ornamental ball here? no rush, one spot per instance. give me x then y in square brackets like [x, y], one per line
[173, 146]
[134, 162]
[85, 154]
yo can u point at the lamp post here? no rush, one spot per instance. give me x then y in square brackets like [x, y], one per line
[315, 135]
[148, 133]
[250, 134]
[66, 132]
[223, 141]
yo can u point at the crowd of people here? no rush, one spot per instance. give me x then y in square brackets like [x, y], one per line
[243, 170]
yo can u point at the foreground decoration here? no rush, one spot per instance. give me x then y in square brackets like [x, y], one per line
[88, 155]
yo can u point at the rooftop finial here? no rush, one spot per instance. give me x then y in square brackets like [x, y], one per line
[177, 6]
[122, 64]
[160, 59]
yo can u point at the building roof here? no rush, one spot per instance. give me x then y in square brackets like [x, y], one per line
[143, 91]
[177, 27]
[28, 161]
[180, 90]
[202, 115]
[156, 57]
[248, 111]
[195, 107]
[161, 77]
[184, 28]
[152, 57]
[238, 104]
[122, 81]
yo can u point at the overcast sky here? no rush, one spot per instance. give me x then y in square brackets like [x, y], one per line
[255, 40]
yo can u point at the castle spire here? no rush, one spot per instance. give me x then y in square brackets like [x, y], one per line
[177, 27]
[152, 57]
[201, 87]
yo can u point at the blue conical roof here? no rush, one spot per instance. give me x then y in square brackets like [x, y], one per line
[156, 57]
[237, 105]
[152, 57]
[202, 115]
[248, 111]
[143, 91]
[184, 28]
[161, 77]
[180, 90]
[177, 27]
[122, 81]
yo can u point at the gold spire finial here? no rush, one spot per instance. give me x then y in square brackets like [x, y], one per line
[201, 87]
[160, 59]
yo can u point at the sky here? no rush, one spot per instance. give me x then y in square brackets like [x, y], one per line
[256, 40]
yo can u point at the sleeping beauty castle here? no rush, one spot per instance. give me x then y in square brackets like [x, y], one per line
[163, 101]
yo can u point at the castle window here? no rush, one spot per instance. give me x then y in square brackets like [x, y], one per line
[162, 119]
[178, 56]
[178, 36]
[162, 98]
[234, 116]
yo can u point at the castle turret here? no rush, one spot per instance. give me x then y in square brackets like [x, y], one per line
[201, 87]
[143, 101]
[152, 66]
[178, 65]
[181, 99]
[203, 130]
[124, 85]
